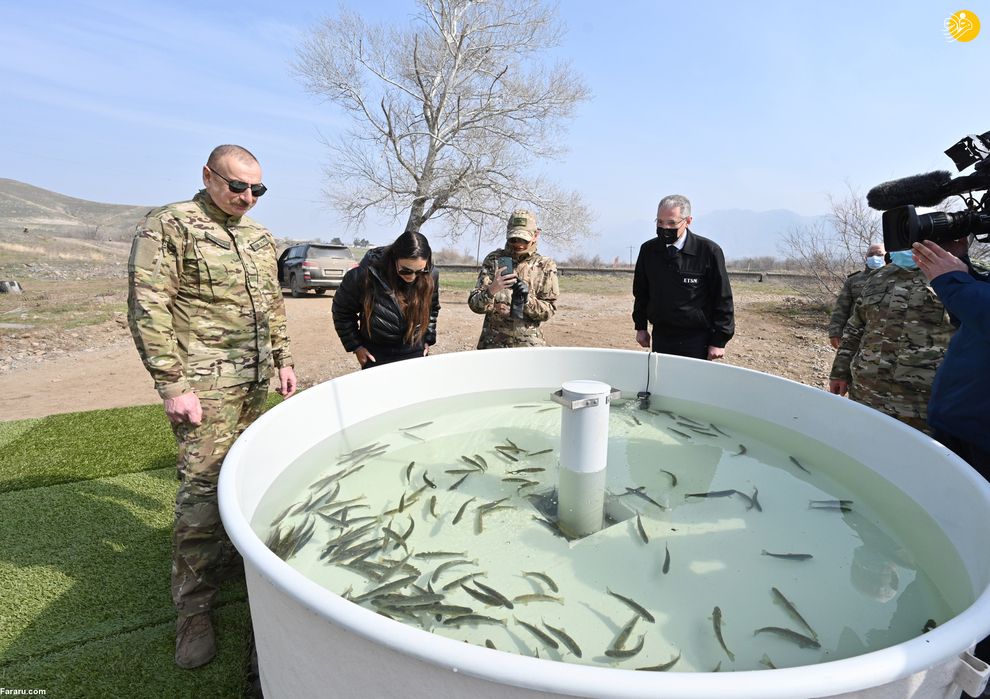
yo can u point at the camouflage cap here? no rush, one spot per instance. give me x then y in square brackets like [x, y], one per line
[522, 224]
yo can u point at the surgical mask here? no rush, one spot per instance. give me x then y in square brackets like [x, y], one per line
[667, 235]
[903, 259]
[874, 262]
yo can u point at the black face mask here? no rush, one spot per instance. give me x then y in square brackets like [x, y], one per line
[667, 235]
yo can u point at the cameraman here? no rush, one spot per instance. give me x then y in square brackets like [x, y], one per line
[959, 410]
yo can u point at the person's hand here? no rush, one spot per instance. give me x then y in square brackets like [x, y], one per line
[500, 282]
[184, 408]
[715, 352]
[934, 261]
[643, 338]
[426, 349]
[838, 387]
[834, 341]
[287, 382]
[363, 356]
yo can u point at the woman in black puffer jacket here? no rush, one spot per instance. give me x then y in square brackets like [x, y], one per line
[385, 309]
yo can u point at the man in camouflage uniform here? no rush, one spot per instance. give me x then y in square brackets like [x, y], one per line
[206, 313]
[515, 304]
[850, 292]
[894, 341]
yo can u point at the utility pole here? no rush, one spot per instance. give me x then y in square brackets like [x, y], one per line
[631, 248]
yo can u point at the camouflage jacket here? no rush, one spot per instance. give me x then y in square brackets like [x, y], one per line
[844, 303]
[540, 275]
[893, 343]
[205, 304]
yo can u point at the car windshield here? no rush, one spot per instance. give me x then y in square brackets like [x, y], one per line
[330, 252]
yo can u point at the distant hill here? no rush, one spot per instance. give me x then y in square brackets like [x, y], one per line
[40, 211]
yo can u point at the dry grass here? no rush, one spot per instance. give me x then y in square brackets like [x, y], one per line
[45, 253]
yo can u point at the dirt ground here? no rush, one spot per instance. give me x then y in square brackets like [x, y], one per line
[55, 368]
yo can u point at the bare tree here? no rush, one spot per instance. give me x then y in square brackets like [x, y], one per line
[835, 245]
[449, 114]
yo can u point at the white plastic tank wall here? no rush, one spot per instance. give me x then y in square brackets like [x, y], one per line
[313, 643]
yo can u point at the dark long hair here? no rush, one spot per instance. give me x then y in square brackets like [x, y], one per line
[414, 298]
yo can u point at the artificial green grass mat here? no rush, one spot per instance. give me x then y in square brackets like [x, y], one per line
[138, 663]
[92, 444]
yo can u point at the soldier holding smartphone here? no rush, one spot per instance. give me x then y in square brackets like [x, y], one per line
[517, 288]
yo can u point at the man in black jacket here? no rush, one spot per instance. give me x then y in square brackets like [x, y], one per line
[681, 287]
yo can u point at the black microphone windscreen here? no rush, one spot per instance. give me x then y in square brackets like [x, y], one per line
[920, 190]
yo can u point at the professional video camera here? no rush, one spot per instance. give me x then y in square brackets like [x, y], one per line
[903, 226]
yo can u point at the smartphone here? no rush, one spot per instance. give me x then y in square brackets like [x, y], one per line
[507, 263]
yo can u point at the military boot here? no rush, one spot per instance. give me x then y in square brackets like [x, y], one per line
[195, 644]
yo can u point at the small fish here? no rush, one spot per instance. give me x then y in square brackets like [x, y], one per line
[416, 427]
[717, 622]
[747, 499]
[454, 487]
[403, 601]
[620, 641]
[399, 541]
[829, 503]
[489, 505]
[673, 483]
[679, 433]
[638, 492]
[711, 425]
[792, 636]
[702, 432]
[387, 575]
[526, 599]
[666, 560]
[510, 457]
[412, 525]
[456, 471]
[623, 653]
[537, 453]
[440, 554]
[457, 583]
[479, 525]
[482, 597]
[481, 460]
[426, 479]
[642, 531]
[766, 661]
[742, 450]
[473, 620]
[543, 577]
[489, 644]
[789, 556]
[450, 564]
[503, 600]
[515, 479]
[448, 609]
[830, 508]
[564, 638]
[525, 406]
[410, 435]
[792, 610]
[929, 625]
[402, 502]
[713, 494]
[539, 633]
[636, 420]
[755, 499]
[409, 469]
[390, 587]
[433, 507]
[527, 470]
[460, 512]
[280, 517]
[633, 606]
[666, 666]
[468, 460]
[687, 419]
[798, 464]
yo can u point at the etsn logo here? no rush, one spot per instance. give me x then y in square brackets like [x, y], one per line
[688, 280]
[962, 26]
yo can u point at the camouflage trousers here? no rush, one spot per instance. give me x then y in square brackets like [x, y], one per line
[202, 554]
[911, 411]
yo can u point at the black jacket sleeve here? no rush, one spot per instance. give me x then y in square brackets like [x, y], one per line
[431, 333]
[347, 308]
[723, 311]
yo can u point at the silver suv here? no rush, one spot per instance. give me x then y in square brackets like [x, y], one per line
[317, 266]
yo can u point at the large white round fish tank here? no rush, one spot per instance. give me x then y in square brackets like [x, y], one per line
[312, 642]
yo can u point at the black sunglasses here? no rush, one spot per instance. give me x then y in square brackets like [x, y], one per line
[406, 272]
[236, 186]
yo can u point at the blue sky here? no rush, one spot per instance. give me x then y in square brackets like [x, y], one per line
[758, 106]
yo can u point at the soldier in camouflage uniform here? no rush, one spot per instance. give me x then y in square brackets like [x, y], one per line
[535, 293]
[206, 313]
[894, 341]
[850, 292]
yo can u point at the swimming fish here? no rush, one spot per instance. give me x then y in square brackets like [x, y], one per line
[544, 577]
[472, 462]
[409, 469]
[457, 583]
[472, 619]
[626, 653]
[564, 638]
[527, 470]
[642, 531]
[789, 556]
[829, 503]
[712, 426]
[481, 460]
[666, 666]
[481, 596]
[449, 564]
[666, 560]
[460, 512]
[502, 599]
[792, 610]
[537, 453]
[798, 464]
[713, 494]
[673, 478]
[717, 622]
[526, 599]
[416, 427]
[633, 606]
[427, 480]
[433, 507]
[742, 450]
[620, 641]
[539, 633]
[792, 636]
[678, 432]
[454, 487]
[638, 492]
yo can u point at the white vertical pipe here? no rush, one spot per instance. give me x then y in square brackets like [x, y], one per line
[583, 454]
